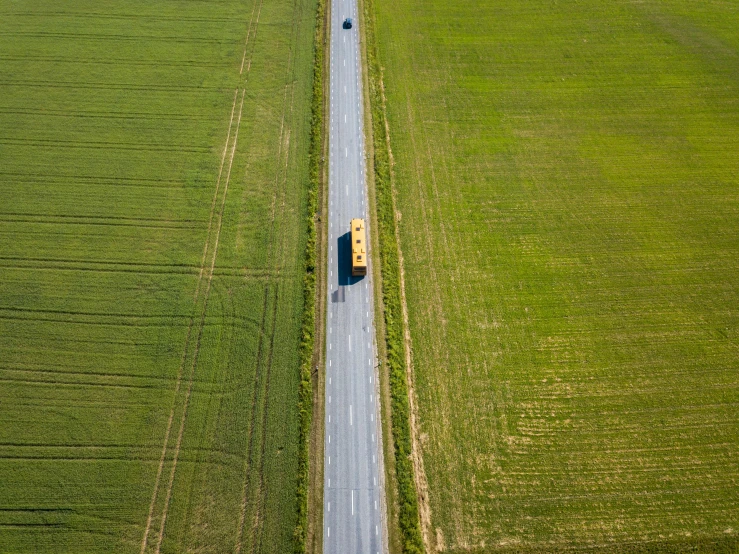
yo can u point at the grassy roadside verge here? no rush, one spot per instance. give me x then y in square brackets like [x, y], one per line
[307, 338]
[388, 451]
[408, 517]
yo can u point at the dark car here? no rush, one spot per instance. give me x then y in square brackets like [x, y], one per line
[348, 23]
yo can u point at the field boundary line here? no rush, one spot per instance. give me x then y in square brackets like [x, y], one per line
[160, 468]
[181, 432]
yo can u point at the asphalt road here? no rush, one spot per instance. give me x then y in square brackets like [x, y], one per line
[353, 510]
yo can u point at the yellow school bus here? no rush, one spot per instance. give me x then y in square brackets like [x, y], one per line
[359, 248]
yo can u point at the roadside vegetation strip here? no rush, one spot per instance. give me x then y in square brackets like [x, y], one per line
[566, 175]
[408, 517]
[308, 325]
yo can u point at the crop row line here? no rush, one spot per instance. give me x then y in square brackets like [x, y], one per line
[107, 145]
[92, 178]
[112, 321]
[73, 384]
[242, 272]
[149, 89]
[99, 374]
[125, 38]
[129, 455]
[36, 449]
[81, 459]
[114, 263]
[137, 116]
[75, 313]
[51, 221]
[164, 184]
[97, 218]
[98, 15]
[116, 62]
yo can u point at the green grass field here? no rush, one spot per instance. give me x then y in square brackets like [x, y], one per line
[152, 231]
[567, 179]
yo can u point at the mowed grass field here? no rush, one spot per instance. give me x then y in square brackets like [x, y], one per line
[567, 181]
[152, 232]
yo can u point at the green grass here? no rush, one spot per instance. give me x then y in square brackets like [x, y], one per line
[566, 177]
[136, 286]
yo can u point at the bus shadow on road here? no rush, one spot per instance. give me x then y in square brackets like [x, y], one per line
[344, 267]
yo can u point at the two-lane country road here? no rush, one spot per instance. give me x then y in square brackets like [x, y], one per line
[353, 473]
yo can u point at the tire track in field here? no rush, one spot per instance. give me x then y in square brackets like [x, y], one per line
[92, 37]
[215, 196]
[251, 35]
[93, 114]
[258, 502]
[116, 87]
[201, 326]
[124, 16]
[185, 349]
[250, 446]
[117, 62]
[105, 145]
[252, 27]
[257, 527]
[281, 172]
[223, 157]
[97, 179]
[258, 386]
